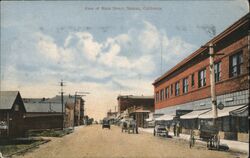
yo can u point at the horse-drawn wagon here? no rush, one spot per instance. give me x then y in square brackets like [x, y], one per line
[207, 132]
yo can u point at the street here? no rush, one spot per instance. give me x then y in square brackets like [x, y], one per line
[93, 141]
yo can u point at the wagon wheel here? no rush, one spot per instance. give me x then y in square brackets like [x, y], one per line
[191, 139]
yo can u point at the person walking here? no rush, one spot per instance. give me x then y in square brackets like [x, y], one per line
[174, 129]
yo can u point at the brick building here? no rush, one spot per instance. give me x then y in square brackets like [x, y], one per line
[137, 107]
[12, 113]
[187, 85]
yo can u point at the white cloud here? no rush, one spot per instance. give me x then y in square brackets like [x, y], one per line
[47, 47]
[89, 47]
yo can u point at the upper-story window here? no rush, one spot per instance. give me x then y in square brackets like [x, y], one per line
[166, 93]
[16, 107]
[185, 85]
[157, 97]
[177, 88]
[192, 80]
[235, 64]
[217, 71]
[202, 78]
[162, 94]
[171, 89]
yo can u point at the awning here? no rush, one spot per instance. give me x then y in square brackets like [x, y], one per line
[221, 113]
[149, 119]
[194, 114]
[166, 117]
[241, 112]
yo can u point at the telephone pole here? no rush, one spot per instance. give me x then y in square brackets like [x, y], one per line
[62, 84]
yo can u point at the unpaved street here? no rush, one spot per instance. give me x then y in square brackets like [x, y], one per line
[93, 141]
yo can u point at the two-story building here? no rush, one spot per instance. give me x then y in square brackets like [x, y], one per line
[186, 86]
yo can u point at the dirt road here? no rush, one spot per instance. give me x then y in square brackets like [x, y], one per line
[95, 142]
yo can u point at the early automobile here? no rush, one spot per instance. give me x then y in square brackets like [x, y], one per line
[160, 130]
[106, 124]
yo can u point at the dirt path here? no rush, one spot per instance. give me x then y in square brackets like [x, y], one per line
[94, 142]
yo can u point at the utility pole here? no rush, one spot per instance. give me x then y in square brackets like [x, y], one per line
[212, 81]
[61, 84]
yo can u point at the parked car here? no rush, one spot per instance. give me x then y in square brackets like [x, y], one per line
[160, 130]
[106, 124]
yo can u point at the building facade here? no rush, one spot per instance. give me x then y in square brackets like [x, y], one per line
[137, 107]
[12, 112]
[187, 85]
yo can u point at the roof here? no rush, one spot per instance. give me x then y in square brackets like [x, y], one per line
[43, 107]
[221, 113]
[194, 114]
[7, 99]
[48, 105]
[229, 30]
[57, 99]
[135, 97]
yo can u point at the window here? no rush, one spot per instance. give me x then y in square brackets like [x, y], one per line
[16, 107]
[192, 80]
[162, 95]
[217, 71]
[166, 93]
[202, 78]
[171, 89]
[235, 64]
[185, 85]
[157, 97]
[177, 88]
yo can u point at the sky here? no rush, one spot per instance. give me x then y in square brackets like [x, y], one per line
[106, 48]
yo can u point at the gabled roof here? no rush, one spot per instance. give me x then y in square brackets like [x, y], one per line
[7, 99]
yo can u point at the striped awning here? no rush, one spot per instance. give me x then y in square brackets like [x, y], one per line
[221, 113]
[194, 114]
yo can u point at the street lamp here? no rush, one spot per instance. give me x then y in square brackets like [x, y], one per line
[77, 94]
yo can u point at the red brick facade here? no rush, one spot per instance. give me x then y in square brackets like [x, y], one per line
[232, 41]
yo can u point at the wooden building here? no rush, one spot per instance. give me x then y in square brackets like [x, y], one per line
[12, 113]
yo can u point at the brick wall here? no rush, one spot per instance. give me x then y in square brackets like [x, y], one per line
[226, 85]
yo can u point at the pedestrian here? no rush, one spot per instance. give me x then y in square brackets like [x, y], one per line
[178, 129]
[136, 128]
[174, 129]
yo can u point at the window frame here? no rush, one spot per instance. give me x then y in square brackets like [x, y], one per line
[202, 79]
[185, 85]
[238, 66]
[177, 88]
[217, 71]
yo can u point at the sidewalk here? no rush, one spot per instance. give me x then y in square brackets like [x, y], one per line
[233, 145]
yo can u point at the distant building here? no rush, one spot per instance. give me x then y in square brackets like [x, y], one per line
[187, 85]
[42, 115]
[12, 112]
[137, 107]
[49, 113]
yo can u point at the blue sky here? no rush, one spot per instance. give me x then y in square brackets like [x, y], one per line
[107, 48]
